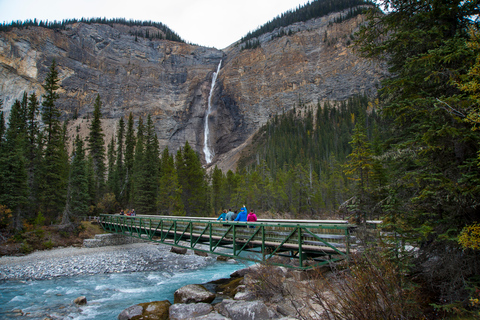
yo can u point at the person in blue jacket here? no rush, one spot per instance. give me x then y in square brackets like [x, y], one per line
[242, 215]
[223, 216]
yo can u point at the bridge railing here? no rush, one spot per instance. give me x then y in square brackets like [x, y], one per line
[307, 242]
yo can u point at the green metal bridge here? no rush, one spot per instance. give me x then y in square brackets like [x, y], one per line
[303, 244]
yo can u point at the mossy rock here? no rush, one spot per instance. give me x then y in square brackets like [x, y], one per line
[230, 288]
[155, 310]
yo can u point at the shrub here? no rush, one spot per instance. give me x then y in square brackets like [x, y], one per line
[26, 247]
[371, 287]
[5, 217]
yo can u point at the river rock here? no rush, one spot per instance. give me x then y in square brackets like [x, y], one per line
[193, 293]
[243, 310]
[155, 310]
[187, 311]
[80, 301]
[178, 250]
[200, 253]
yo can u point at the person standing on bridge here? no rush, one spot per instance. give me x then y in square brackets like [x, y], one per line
[230, 215]
[242, 215]
[252, 217]
[223, 216]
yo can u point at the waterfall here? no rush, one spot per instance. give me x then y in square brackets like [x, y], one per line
[206, 149]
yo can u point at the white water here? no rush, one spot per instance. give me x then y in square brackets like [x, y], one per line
[209, 153]
[107, 294]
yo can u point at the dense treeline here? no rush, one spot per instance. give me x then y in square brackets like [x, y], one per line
[61, 25]
[431, 200]
[311, 10]
[39, 177]
[306, 149]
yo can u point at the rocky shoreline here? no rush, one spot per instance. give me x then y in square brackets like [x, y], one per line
[73, 261]
[239, 303]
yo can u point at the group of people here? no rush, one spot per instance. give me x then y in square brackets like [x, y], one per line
[129, 213]
[240, 216]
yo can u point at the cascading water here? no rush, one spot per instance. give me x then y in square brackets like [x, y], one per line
[206, 148]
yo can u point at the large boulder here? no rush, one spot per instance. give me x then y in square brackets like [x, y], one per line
[243, 310]
[155, 310]
[181, 311]
[193, 293]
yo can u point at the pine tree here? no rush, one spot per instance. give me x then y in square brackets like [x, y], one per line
[119, 163]
[170, 191]
[13, 174]
[432, 150]
[146, 169]
[359, 168]
[191, 177]
[77, 195]
[96, 146]
[130, 143]
[53, 176]
[111, 165]
[137, 182]
[33, 150]
[217, 190]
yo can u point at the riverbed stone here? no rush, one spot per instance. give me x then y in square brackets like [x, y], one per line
[155, 310]
[193, 293]
[178, 250]
[187, 311]
[80, 301]
[131, 312]
[243, 310]
[200, 253]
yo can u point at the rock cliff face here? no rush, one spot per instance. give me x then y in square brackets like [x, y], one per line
[171, 81]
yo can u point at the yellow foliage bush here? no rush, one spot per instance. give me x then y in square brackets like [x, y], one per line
[470, 237]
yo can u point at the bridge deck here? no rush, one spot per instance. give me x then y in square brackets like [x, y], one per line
[316, 241]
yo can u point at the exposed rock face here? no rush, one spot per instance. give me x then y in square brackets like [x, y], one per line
[171, 81]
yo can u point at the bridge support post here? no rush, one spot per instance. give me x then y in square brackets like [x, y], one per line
[300, 251]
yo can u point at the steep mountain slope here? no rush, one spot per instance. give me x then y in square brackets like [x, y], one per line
[171, 80]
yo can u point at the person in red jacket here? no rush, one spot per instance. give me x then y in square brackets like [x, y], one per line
[252, 217]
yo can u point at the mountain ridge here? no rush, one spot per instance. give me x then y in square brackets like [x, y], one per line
[171, 80]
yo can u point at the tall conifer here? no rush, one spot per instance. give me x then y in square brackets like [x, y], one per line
[53, 181]
[170, 191]
[96, 146]
[126, 189]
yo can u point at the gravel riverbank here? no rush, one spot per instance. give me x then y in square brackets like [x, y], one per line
[74, 261]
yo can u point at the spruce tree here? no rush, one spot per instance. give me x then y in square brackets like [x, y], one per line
[13, 174]
[146, 170]
[53, 179]
[130, 143]
[137, 183]
[432, 150]
[359, 168]
[192, 179]
[33, 149]
[170, 191]
[96, 147]
[217, 190]
[119, 170]
[77, 195]
[111, 165]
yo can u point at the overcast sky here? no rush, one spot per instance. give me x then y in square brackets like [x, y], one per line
[213, 23]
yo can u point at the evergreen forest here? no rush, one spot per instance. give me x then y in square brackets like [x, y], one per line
[168, 34]
[311, 10]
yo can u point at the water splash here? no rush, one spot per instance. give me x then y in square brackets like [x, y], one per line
[209, 153]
